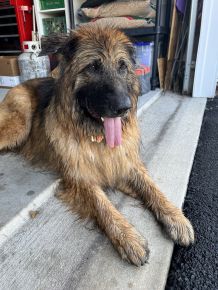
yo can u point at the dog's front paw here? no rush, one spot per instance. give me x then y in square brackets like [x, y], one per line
[133, 248]
[179, 229]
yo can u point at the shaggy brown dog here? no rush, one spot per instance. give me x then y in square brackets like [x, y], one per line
[84, 126]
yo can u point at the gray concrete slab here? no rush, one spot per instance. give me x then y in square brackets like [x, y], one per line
[55, 251]
[19, 185]
[146, 100]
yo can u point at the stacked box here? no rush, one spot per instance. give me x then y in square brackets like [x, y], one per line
[49, 4]
[9, 71]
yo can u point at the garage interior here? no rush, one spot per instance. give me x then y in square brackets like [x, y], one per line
[51, 249]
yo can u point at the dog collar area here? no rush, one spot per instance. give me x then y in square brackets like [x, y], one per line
[97, 138]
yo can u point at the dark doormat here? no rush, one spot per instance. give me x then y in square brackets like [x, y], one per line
[196, 267]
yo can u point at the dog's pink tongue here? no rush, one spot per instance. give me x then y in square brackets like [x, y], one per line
[113, 131]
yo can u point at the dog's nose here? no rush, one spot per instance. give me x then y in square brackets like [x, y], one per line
[121, 108]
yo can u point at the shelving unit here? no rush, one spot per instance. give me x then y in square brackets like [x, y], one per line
[6, 16]
[9, 36]
[48, 13]
[159, 33]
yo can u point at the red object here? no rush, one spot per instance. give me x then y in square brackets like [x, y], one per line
[143, 70]
[23, 10]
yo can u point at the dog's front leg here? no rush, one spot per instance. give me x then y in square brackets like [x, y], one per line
[138, 184]
[91, 202]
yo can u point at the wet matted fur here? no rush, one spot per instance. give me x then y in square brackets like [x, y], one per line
[54, 123]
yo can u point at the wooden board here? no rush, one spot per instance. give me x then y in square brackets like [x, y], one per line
[172, 47]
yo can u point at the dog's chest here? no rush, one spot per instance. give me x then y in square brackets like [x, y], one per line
[91, 161]
[105, 164]
[96, 163]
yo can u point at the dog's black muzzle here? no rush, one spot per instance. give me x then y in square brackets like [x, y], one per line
[102, 100]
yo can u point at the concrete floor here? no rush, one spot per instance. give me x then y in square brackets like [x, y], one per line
[55, 251]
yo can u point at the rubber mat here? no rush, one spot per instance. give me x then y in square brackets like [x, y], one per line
[196, 268]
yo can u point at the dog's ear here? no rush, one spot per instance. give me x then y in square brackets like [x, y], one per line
[70, 47]
[64, 44]
[53, 43]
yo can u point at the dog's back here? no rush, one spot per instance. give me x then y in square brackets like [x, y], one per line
[22, 117]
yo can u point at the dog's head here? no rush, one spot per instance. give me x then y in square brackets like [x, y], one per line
[97, 74]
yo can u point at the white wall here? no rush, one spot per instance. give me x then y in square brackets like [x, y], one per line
[206, 71]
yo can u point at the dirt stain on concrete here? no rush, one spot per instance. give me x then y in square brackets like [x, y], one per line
[30, 192]
[2, 187]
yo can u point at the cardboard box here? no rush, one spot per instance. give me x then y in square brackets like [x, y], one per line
[9, 71]
[9, 66]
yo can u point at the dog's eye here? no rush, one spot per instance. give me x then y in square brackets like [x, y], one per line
[94, 66]
[122, 67]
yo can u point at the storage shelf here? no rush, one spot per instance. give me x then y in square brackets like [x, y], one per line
[50, 13]
[9, 35]
[4, 8]
[143, 31]
[7, 16]
[10, 51]
[52, 10]
[8, 24]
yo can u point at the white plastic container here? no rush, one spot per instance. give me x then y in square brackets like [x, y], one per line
[144, 57]
[144, 53]
[31, 65]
